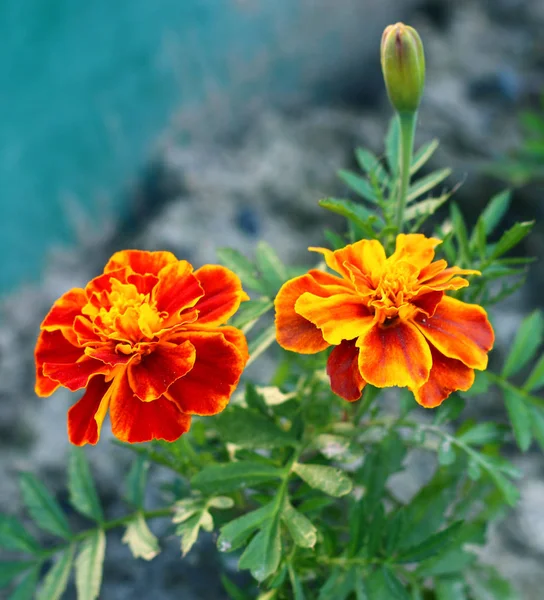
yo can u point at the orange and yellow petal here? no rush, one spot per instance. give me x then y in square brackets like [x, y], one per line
[414, 248]
[207, 387]
[178, 289]
[447, 375]
[106, 352]
[140, 261]
[397, 355]
[343, 371]
[235, 337]
[134, 421]
[459, 330]
[156, 372]
[65, 310]
[339, 317]
[86, 416]
[223, 294]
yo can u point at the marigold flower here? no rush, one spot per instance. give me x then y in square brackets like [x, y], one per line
[389, 320]
[147, 341]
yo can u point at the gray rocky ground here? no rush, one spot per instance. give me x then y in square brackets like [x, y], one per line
[232, 186]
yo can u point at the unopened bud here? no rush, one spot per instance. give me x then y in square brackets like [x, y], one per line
[403, 66]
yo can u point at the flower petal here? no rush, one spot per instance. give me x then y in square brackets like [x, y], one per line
[134, 421]
[65, 310]
[235, 336]
[106, 353]
[294, 332]
[223, 294]
[154, 374]
[394, 355]
[343, 371]
[447, 375]
[459, 330]
[86, 416]
[177, 289]
[207, 387]
[414, 248]
[140, 261]
[340, 317]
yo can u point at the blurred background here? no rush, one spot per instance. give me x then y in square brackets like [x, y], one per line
[193, 124]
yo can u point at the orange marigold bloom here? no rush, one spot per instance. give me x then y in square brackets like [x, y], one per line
[389, 320]
[147, 340]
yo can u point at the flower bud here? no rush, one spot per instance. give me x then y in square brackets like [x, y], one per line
[403, 66]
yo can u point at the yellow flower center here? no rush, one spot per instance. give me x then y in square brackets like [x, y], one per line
[395, 289]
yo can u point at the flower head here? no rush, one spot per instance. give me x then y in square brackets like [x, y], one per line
[389, 320]
[147, 341]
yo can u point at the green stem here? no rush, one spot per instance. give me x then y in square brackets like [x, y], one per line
[407, 129]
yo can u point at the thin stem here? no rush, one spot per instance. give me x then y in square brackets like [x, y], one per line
[407, 129]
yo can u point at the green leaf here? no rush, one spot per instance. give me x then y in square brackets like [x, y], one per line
[339, 585]
[302, 531]
[83, 496]
[296, 585]
[446, 453]
[511, 238]
[244, 268]
[433, 545]
[481, 433]
[495, 211]
[56, 580]
[271, 267]
[221, 502]
[89, 564]
[250, 429]
[423, 155]
[263, 554]
[460, 232]
[327, 479]
[372, 165]
[392, 146]
[140, 540]
[10, 569]
[520, 417]
[427, 183]
[261, 343]
[425, 208]
[536, 379]
[393, 584]
[189, 529]
[359, 185]
[13, 536]
[356, 213]
[136, 481]
[526, 343]
[249, 312]
[255, 399]
[234, 592]
[538, 425]
[233, 476]
[449, 411]
[450, 588]
[455, 560]
[43, 508]
[235, 534]
[26, 587]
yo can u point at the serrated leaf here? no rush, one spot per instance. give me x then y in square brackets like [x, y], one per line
[432, 545]
[423, 155]
[189, 529]
[271, 268]
[43, 508]
[302, 531]
[520, 417]
[394, 586]
[233, 476]
[359, 185]
[526, 343]
[234, 534]
[372, 165]
[26, 587]
[89, 565]
[243, 267]
[511, 238]
[481, 433]
[356, 213]
[427, 183]
[249, 429]
[249, 313]
[83, 496]
[452, 561]
[536, 379]
[140, 539]
[10, 569]
[56, 580]
[333, 482]
[495, 210]
[136, 481]
[13, 536]
[425, 207]
[263, 554]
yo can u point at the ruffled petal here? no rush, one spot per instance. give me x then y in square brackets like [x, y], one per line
[86, 416]
[106, 353]
[459, 330]
[207, 387]
[428, 302]
[140, 261]
[223, 294]
[395, 355]
[156, 372]
[343, 371]
[414, 248]
[294, 332]
[65, 310]
[340, 317]
[134, 421]
[447, 375]
[235, 337]
[178, 289]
